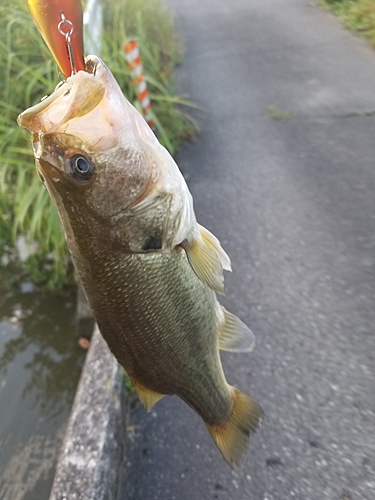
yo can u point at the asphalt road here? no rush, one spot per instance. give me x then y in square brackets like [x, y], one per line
[292, 201]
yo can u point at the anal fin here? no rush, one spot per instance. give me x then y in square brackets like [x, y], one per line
[147, 397]
[234, 335]
[232, 436]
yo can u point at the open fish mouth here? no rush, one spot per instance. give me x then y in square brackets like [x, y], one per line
[74, 98]
[90, 106]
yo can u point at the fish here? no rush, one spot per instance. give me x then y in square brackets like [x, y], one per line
[150, 271]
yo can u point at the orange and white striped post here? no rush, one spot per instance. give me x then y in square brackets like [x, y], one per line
[134, 61]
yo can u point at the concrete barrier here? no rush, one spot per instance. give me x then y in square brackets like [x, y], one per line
[93, 448]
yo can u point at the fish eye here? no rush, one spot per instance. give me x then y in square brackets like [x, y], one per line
[80, 167]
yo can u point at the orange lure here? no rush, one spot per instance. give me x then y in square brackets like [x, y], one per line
[61, 24]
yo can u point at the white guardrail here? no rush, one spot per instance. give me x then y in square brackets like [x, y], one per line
[93, 25]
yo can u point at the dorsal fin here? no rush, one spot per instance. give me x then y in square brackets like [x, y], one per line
[207, 258]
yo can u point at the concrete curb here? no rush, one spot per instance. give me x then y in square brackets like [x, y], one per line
[93, 446]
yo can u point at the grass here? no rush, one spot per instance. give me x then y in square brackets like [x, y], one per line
[279, 115]
[357, 15]
[29, 72]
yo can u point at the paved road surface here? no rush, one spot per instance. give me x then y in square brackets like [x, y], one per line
[292, 201]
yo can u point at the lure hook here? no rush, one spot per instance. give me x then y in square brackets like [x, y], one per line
[67, 34]
[61, 25]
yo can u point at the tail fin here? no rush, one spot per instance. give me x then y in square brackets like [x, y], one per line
[231, 437]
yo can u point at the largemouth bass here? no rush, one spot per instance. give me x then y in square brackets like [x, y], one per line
[149, 270]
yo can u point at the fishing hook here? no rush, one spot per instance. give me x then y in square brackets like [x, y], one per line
[67, 34]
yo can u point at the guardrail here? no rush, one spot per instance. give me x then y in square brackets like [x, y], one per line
[93, 24]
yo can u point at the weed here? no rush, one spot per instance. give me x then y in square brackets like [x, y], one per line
[357, 15]
[279, 115]
[365, 113]
[129, 387]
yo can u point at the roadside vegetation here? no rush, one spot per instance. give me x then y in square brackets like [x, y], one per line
[28, 73]
[276, 114]
[357, 15]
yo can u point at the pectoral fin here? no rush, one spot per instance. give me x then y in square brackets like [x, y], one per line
[207, 258]
[211, 241]
[235, 335]
[147, 397]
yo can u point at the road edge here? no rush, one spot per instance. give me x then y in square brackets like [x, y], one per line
[93, 447]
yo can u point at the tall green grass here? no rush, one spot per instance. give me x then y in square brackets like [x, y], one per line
[29, 72]
[357, 15]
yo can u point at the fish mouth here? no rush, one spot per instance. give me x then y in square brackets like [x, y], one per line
[71, 100]
[83, 106]
[90, 106]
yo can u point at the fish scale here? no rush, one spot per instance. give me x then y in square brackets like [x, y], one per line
[154, 327]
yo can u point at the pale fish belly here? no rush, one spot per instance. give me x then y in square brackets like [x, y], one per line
[159, 320]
